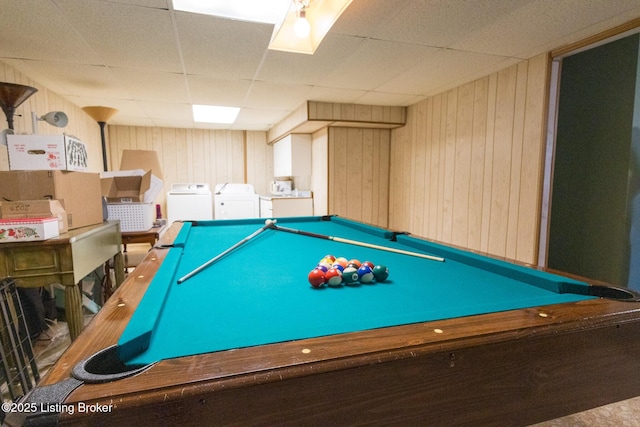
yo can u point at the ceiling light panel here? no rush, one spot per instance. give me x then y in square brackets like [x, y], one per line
[266, 11]
[214, 114]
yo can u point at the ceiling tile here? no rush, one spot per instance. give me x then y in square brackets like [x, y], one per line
[374, 62]
[273, 96]
[438, 70]
[37, 30]
[221, 48]
[88, 80]
[153, 85]
[124, 35]
[209, 91]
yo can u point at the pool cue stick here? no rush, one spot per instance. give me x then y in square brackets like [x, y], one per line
[268, 224]
[357, 243]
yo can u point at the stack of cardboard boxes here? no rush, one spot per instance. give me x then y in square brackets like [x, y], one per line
[48, 191]
[35, 193]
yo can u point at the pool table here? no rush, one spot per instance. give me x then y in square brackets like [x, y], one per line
[460, 339]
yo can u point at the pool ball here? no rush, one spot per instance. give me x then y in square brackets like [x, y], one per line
[350, 276]
[365, 274]
[342, 261]
[330, 257]
[333, 277]
[316, 278]
[354, 263]
[325, 263]
[369, 263]
[380, 272]
[337, 266]
[323, 267]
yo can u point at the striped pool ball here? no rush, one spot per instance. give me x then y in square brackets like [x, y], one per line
[350, 276]
[333, 277]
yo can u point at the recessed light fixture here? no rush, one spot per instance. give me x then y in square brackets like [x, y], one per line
[214, 114]
[305, 24]
[266, 11]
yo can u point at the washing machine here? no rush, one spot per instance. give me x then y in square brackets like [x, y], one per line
[187, 202]
[232, 201]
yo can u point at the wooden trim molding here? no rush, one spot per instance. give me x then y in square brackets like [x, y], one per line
[618, 31]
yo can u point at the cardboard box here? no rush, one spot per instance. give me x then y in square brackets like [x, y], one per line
[46, 152]
[79, 192]
[36, 209]
[141, 159]
[28, 229]
[125, 186]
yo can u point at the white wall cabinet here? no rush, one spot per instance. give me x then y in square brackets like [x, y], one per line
[292, 155]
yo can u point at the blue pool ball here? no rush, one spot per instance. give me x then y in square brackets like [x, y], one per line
[338, 267]
[365, 274]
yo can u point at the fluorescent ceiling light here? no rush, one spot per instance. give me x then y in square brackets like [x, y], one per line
[267, 11]
[214, 114]
[320, 15]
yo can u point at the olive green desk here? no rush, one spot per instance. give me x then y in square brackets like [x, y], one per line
[66, 260]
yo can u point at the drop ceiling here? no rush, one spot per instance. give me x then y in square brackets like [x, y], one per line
[152, 63]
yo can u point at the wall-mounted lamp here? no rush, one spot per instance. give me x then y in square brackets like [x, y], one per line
[102, 116]
[54, 118]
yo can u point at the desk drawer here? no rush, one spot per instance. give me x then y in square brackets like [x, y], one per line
[33, 264]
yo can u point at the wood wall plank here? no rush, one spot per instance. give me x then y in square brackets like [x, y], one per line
[199, 155]
[358, 171]
[466, 169]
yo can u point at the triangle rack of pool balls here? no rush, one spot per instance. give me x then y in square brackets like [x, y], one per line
[338, 271]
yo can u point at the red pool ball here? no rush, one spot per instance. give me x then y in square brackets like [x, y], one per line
[333, 277]
[369, 264]
[316, 278]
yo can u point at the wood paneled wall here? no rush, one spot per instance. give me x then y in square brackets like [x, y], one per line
[198, 155]
[467, 167]
[359, 174]
[42, 102]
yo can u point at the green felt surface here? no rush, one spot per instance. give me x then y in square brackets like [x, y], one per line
[259, 293]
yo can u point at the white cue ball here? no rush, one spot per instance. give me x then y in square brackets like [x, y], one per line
[270, 221]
